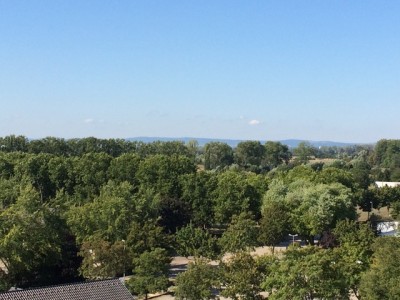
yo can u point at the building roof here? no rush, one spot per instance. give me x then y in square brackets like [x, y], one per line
[381, 184]
[112, 289]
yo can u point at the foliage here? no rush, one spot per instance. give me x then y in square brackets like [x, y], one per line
[146, 236]
[276, 154]
[197, 282]
[28, 239]
[161, 173]
[313, 207]
[382, 280]
[241, 234]
[306, 273]
[217, 155]
[355, 250]
[249, 153]
[193, 241]
[197, 191]
[60, 197]
[101, 259]
[241, 277]
[234, 194]
[108, 216]
[173, 213]
[274, 225]
[303, 152]
[150, 272]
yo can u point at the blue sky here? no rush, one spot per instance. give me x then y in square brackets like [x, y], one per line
[269, 70]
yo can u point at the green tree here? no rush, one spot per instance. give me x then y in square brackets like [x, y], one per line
[34, 169]
[197, 189]
[274, 225]
[197, 283]
[146, 236]
[355, 250]
[330, 175]
[109, 215]
[234, 194]
[313, 207]
[161, 173]
[14, 143]
[193, 149]
[303, 152]
[150, 273]
[217, 155]
[276, 154]
[124, 168]
[241, 277]
[29, 240]
[306, 273]
[249, 153]
[241, 234]
[101, 259]
[90, 173]
[316, 208]
[382, 280]
[193, 241]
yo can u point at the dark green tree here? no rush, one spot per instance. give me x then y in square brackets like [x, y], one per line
[382, 280]
[193, 241]
[274, 225]
[29, 240]
[217, 155]
[102, 259]
[355, 251]
[304, 152]
[234, 194]
[161, 173]
[197, 190]
[306, 273]
[249, 153]
[241, 277]
[197, 283]
[242, 234]
[276, 154]
[150, 272]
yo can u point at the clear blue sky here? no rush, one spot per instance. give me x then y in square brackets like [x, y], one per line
[269, 70]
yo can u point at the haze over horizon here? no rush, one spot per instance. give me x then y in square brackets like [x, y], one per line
[262, 70]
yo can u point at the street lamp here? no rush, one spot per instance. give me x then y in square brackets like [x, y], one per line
[124, 258]
[293, 236]
[371, 208]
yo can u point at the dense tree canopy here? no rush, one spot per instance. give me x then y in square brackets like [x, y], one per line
[96, 208]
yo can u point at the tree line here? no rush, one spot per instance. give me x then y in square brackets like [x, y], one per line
[90, 208]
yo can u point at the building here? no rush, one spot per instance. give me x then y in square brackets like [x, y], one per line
[112, 289]
[381, 184]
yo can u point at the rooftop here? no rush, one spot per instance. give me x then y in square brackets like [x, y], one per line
[112, 289]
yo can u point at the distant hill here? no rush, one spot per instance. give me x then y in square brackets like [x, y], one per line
[292, 143]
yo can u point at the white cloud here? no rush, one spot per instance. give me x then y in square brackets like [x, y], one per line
[88, 121]
[254, 122]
